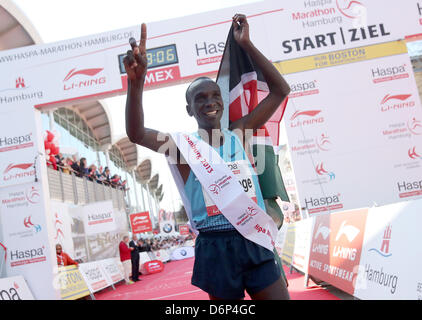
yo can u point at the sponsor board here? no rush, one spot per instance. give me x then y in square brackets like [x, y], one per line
[302, 242]
[167, 227]
[112, 270]
[182, 253]
[99, 217]
[72, 284]
[184, 230]
[154, 266]
[94, 275]
[140, 222]
[336, 248]
[14, 288]
[388, 264]
[62, 226]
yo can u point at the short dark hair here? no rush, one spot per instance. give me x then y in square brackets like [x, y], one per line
[189, 89]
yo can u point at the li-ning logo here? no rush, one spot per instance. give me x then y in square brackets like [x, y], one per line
[312, 114]
[385, 245]
[322, 172]
[413, 154]
[139, 220]
[32, 195]
[396, 102]
[323, 143]
[415, 126]
[351, 9]
[23, 171]
[323, 231]
[349, 231]
[214, 188]
[28, 224]
[91, 73]
[22, 166]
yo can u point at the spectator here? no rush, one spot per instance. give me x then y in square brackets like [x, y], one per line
[125, 258]
[106, 175]
[83, 168]
[63, 259]
[134, 255]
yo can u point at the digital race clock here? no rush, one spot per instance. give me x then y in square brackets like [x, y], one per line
[157, 57]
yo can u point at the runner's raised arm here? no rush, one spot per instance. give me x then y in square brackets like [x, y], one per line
[136, 65]
[278, 87]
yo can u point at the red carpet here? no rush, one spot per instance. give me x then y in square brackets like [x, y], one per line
[174, 284]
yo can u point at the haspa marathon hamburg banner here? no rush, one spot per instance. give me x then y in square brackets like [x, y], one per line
[336, 248]
[99, 217]
[140, 222]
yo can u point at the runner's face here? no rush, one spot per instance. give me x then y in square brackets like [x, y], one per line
[206, 104]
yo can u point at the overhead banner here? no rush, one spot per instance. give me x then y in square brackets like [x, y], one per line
[14, 288]
[99, 217]
[91, 67]
[140, 222]
[72, 284]
[330, 158]
[336, 248]
[391, 257]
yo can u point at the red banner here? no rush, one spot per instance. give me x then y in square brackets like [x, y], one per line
[140, 222]
[153, 266]
[184, 230]
[336, 248]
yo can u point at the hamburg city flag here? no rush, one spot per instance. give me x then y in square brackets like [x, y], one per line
[242, 87]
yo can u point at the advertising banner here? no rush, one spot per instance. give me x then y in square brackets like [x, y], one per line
[336, 248]
[62, 226]
[167, 228]
[289, 244]
[18, 146]
[72, 284]
[391, 256]
[184, 230]
[140, 222]
[99, 217]
[184, 48]
[94, 275]
[329, 162]
[111, 270]
[154, 266]
[302, 242]
[14, 288]
[182, 253]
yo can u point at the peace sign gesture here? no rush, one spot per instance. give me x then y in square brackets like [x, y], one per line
[136, 61]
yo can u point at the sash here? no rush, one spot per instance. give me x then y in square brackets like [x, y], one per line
[225, 191]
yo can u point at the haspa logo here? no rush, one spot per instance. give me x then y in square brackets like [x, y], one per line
[214, 188]
[385, 244]
[413, 154]
[396, 102]
[17, 142]
[22, 257]
[32, 195]
[351, 9]
[90, 82]
[17, 171]
[323, 142]
[28, 224]
[309, 117]
[326, 203]
[322, 172]
[415, 126]
[322, 231]
[10, 293]
[303, 89]
[389, 73]
[349, 231]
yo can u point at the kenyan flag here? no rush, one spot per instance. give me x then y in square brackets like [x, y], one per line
[243, 87]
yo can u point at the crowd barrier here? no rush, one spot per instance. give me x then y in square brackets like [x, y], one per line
[370, 253]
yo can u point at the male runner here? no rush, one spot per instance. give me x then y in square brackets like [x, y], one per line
[226, 263]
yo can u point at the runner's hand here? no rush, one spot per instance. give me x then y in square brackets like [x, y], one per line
[136, 61]
[241, 29]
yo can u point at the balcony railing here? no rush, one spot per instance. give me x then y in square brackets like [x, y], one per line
[69, 188]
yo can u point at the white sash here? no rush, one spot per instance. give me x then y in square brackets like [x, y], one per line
[225, 191]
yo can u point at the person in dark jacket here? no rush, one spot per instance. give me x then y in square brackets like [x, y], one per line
[134, 256]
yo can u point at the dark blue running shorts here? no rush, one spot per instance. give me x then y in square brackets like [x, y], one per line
[227, 264]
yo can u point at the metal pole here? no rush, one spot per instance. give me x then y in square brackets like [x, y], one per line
[136, 192]
[143, 199]
[51, 118]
